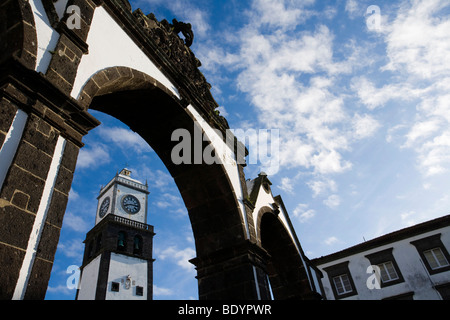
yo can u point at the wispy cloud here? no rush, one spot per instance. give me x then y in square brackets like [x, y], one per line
[179, 256]
[72, 248]
[93, 156]
[159, 291]
[290, 77]
[417, 47]
[331, 241]
[76, 222]
[353, 8]
[124, 139]
[332, 201]
[303, 213]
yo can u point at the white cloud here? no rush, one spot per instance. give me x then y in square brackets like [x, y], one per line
[72, 248]
[418, 48]
[286, 185]
[351, 6]
[124, 138]
[76, 222]
[280, 13]
[163, 204]
[434, 155]
[320, 186]
[408, 218]
[180, 256]
[374, 97]
[364, 126]
[332, 201]
[303, 213]
[418, 40]
[330, 162]
[331, 240]
[158, 179]
[159, 291]
[73, 195]
[223, 111]
[60, 289]
[421, 131]
[310, 115]
[93, 156]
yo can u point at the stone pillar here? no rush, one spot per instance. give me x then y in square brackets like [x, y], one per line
[236, 273]
[40, 135]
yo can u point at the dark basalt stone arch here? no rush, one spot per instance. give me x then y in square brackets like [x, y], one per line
[231, 262]
[18, 32]
[154, 112]
[285, 269]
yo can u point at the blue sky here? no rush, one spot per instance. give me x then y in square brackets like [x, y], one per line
[362, 109]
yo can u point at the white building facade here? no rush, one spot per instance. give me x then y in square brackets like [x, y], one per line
[409, 264]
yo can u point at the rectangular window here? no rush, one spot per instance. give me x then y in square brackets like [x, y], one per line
[433, 253]
[388, 272]
[139, 291]
[436, 258]
[341, 281]
[342, 284]
[115, 287]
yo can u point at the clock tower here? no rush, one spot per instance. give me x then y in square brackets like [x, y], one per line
[117, 262]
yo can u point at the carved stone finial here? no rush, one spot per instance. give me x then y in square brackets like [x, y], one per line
[177, 52]
[185, 29]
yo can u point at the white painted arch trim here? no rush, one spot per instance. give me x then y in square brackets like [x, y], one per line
[47, 37]
[110, 46]
[265, 199]
[11, 143]
[39, 221]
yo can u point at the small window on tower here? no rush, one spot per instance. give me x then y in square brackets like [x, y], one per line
[121, 241]
[137, 245]
[139, 291]
[115, 287]
[91, 249]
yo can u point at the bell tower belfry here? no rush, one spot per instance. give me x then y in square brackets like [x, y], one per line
[117, 262]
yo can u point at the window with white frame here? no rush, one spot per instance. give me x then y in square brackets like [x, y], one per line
[390, 272]
[342, 284]
[387, 272]
[436, 258]
[341, 280]
[433, 253]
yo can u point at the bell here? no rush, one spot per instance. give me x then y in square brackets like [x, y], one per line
[136, 244]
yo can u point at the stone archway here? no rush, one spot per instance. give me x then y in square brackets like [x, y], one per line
[125, 64]
[219, 231]
[286, 271]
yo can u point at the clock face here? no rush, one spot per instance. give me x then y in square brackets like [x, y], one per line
[131, 204]
[104, 207]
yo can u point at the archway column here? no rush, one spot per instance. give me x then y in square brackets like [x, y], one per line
[41, 132]
[234, 273]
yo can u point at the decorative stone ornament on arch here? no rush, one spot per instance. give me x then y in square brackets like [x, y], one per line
[44, 102]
